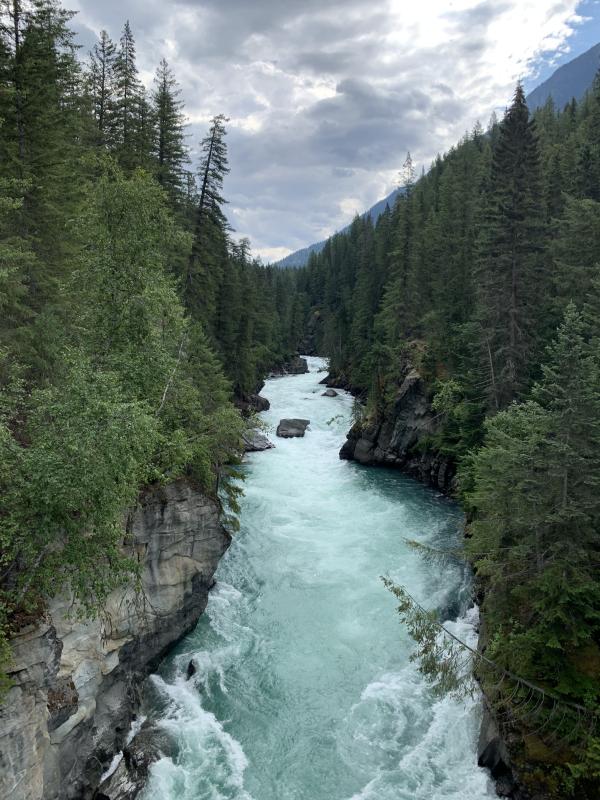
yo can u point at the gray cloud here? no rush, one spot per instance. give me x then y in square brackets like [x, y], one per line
[326, 98]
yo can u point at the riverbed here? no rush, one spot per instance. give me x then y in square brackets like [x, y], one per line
[304, 688]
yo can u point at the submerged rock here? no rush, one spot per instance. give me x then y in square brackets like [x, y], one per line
[330, 393]
[292, 428]
[255, 441]
[128, 779]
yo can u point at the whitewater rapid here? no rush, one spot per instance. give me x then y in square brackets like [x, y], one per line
[303, 687]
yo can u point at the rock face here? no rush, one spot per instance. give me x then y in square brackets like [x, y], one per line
[292, 428]
[76, 682]
[330, 393]
[295, 366]
[492, 754]
[252, 401]
[395, 441]
[255, 441]
[130, 776]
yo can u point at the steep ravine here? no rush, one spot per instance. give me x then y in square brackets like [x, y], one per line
[297, 683]
[76, 683]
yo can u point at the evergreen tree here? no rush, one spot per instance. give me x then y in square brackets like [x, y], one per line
[101, 80]
[542, 522]
[128, 98]
[169, 147]
[209, 249]
[511, 277]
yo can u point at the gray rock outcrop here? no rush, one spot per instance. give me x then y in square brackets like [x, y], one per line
[255, 441]
[292, 428]
[76, 681]
[250, 402]
[330, 393]
[295, 366]
[399, 439]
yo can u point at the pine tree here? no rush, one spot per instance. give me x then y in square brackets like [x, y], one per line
[511, 278]
[537, 495]
[101, 80]
[40, 147]
[209, 249]
[128, 98]
[169, 147]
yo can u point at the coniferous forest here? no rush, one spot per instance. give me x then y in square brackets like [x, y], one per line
[485, 277]
[132, 320]
[131, 317]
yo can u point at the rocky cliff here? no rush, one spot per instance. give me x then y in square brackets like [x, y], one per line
[399, 440]
[76, 682]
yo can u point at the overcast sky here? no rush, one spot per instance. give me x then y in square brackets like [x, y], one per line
[326, 96]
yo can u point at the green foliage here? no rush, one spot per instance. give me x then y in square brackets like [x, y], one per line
[116, 371]
[469, 280]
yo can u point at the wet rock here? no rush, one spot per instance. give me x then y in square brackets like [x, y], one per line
[191, 669]
[255, 441]
[396, 441]
[295, 366]
[252, 402]
[493, 755]
[330, 393]
[75, 682]
[292, 428]
[130, 776]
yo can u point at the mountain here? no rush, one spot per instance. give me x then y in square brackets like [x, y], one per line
[570, 80]
[300, 257]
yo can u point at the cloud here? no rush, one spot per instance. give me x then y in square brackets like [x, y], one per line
[326, 98]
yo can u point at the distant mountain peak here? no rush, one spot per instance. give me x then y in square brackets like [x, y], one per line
[300, 257]
[571, 80]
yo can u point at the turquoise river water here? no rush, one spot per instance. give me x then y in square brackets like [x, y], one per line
[304, 689]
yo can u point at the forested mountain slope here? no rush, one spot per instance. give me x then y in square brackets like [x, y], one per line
[300, 257]
[572, 80]
[478, 298]
[129, 315]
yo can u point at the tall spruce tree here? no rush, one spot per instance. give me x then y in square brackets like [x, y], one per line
[128, 99]
[511, 277]
[169, 148]
[101, 81]
[209, 249]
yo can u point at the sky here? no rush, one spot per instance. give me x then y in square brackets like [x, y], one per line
[325, 97]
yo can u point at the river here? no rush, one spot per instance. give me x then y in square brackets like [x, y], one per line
[304, 689]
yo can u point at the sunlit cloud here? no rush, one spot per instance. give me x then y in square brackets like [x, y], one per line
[324, 99]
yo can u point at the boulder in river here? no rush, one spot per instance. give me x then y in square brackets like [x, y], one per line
[291, 428]
[330, 393]
[131, 774]
[255, 441]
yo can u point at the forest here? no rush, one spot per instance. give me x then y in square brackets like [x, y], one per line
[131, 318]
[485, 277]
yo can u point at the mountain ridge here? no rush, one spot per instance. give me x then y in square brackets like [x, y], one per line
[572, 79]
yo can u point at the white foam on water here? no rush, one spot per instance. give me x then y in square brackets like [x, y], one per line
[210, 762]
[303, 686]
[415, 744]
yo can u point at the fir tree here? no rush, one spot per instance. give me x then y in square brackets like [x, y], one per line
[169, 147]
[209, 249]
[101, 80]
[511, 278]
[128, 97]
